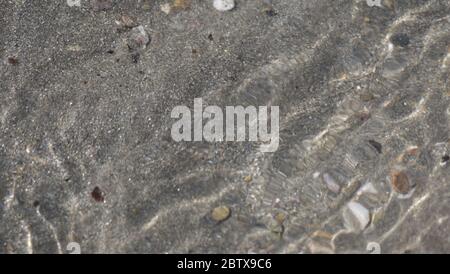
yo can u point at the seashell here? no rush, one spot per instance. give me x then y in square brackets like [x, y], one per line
[356, 216]
[331, 184]
[367, 188]
[74, 3]
[224, 5]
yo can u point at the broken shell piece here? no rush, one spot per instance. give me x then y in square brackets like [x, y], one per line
[332, 185]
[400, 182]
[74, 3]
[224, 5]
[356, 216]
[368, 188]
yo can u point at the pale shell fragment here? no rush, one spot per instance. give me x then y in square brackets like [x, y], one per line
[224, 5]
[332, 185]
[356, 216]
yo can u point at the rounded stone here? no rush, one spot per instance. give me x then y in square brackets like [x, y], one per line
[400, 182]
[221, 213]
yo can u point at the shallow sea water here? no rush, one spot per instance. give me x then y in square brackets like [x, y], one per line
[86, 154]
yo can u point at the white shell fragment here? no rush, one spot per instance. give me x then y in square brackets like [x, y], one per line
[166, 8]
[74, 3]
[332, 185]
[356, 216]
[224, 5]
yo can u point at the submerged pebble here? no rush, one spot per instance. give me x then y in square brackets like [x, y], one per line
[139, 38]
[224, 5]
[12, 61]
[97, 195]
[356, 216]
[248, 178]
[400, 182]
[377, 146]
[400, 40]
[221, 213]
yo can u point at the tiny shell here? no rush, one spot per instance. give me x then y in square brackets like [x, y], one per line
[331, 183]
[356, 216]
[223, 5]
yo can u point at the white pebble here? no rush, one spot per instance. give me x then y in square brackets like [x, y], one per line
[74, 3]
[224, 5]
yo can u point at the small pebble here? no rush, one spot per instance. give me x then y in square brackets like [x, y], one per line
[400, 39]
[221, 213]
[12, 61]
[97, 195]
[135, 56]
[400, 182]
[377, 146]
[269, 11]
[248, 179]
[224, 5]
[139, 38]
[445, 159]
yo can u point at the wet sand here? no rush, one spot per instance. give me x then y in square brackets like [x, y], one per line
[86, 154]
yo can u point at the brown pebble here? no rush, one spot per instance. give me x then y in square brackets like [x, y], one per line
[400, 182]
[97, 195]
[221, 213]
[248, 179]
[13, 60]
